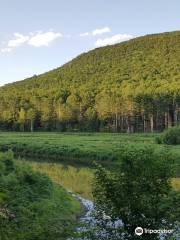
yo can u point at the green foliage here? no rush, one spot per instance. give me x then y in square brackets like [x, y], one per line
[31, 207]
[79, 148]
[139, 194]
[158, 140]
[76, 179]
[171, 136]
[176, 184]
[132, 86]
[57, 211]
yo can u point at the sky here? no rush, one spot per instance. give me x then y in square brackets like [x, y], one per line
[40, 35]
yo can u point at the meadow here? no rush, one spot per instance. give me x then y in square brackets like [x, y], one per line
[68, 157]
[77, 148]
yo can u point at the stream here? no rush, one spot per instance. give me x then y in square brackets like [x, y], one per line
[89, 220]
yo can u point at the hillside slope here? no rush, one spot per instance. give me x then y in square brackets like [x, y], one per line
[131, 86]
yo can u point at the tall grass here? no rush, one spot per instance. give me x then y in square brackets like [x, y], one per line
[78, 180]
[80, 147]
[176, 183]
[77, 148]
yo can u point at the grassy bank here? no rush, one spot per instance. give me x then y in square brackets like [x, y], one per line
[87, 146]
[31, 206]
[78, 180]
[80, 148]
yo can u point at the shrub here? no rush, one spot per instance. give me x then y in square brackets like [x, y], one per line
[139, 193]
[171, 136]
[31, 206]
[158, 140]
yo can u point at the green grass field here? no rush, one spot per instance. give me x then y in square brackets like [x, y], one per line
[80, 146]
[67, 157]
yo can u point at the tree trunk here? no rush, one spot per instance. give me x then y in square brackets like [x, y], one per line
[166, 119]
[32, 125]
[132, 128]
[128, 125]
[22, 127]
[152, 123]
[175, 114]
[170, 118]
[116, 121]
[144, 123]
[122, 123]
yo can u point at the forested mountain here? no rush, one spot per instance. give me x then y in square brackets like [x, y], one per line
[131, 86]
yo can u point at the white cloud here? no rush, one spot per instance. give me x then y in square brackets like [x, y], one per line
[43, 39]
[36, 39]
[19, 40]
[112, 40]
[84, 34]
[101, 31]
[5, 50]
[95, 32]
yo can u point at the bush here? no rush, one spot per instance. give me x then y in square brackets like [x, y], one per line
[158, 140]
[139, 193]
[171, 136]
[31, 206]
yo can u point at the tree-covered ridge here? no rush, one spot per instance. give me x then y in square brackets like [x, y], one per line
[131, 86]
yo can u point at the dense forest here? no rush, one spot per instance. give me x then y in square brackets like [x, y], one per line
[133, 86]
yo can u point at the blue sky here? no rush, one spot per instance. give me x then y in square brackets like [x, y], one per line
[39, 35]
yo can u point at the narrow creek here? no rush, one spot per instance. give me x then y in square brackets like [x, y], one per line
[89, 220]
[87, 217]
